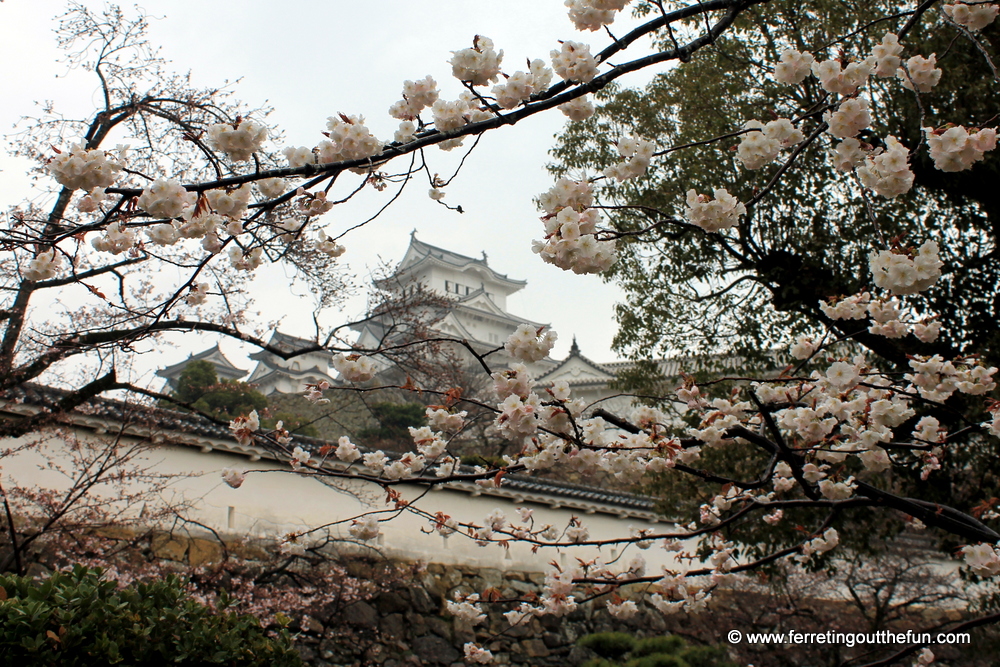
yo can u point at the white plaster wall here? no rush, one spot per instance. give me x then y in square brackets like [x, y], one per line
[273, 501]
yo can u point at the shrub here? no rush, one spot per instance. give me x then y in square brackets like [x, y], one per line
[611, 645]
[670, 645]
[619, 648]
[78, 619]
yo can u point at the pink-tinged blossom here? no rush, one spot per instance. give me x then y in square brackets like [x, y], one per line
[364, 529]
[478, 65]
[243, 428]
[238, 140]
[983, 559]
[793, 67]
[714, 215]
[974, 15]
[574, 63]
[83, 169]
[530, 344]
[477, 655]
[234, 477]
[466, 609]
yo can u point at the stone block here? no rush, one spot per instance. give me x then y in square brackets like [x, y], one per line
[202, 551]
[423, 602]
[491, 578]
[535, 648]
[393, 627]
[391, 602]
[168, 547]
[439, 627]
[363, 614]
[434, 650]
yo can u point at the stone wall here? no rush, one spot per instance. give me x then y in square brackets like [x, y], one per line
[408, 625]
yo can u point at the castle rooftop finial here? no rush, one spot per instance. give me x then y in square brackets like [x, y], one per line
[574, 349]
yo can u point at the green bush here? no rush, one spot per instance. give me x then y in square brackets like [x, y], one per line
[78, 619]
[670, 645]
[658, 660]
[707, 656]
[619, 648]
[611, 645]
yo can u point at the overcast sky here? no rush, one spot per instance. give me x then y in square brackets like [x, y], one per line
[312, 59]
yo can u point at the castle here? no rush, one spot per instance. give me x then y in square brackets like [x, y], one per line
[476, 312]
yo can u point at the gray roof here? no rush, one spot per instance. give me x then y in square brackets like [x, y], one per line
[214, 355]
[419, 253]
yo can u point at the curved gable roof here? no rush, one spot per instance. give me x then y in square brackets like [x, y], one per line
[420, 253]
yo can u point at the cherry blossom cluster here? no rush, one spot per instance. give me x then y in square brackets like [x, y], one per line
[328, 246]
[166, 198]
[530, 344]
[886, 55]
[920, 73]
[116, 239]
[886, 315]
[272, 187]
[956, 149]
[759, 148]
[842, 79]
[580, 108]
[974, 16]
[521, 85]
[234, 477]
[197, 294]
[417, 95]
[905, 271]
[83, 169]
[887, 171]
[848, 409]
[637, 153]
[246, 260]
[231, 203]
[243, 428]
[365, 528]
[478, 65]
[476, 654]
[714, 215]
[570, 230]
[238, 140]
[349, 139]
[354, 367]
[983, 559]
[849, 119]
[44, 266]
[936, 379]
[794, 67]
[452, 115]
[819, 545]
[594, 14]
[91, 201]
[573, 62]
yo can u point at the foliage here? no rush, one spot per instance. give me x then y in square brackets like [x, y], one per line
[687, 292]
[79, 618]
[199, 387]
[394, 421]
[619, 648]
[608, 644]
